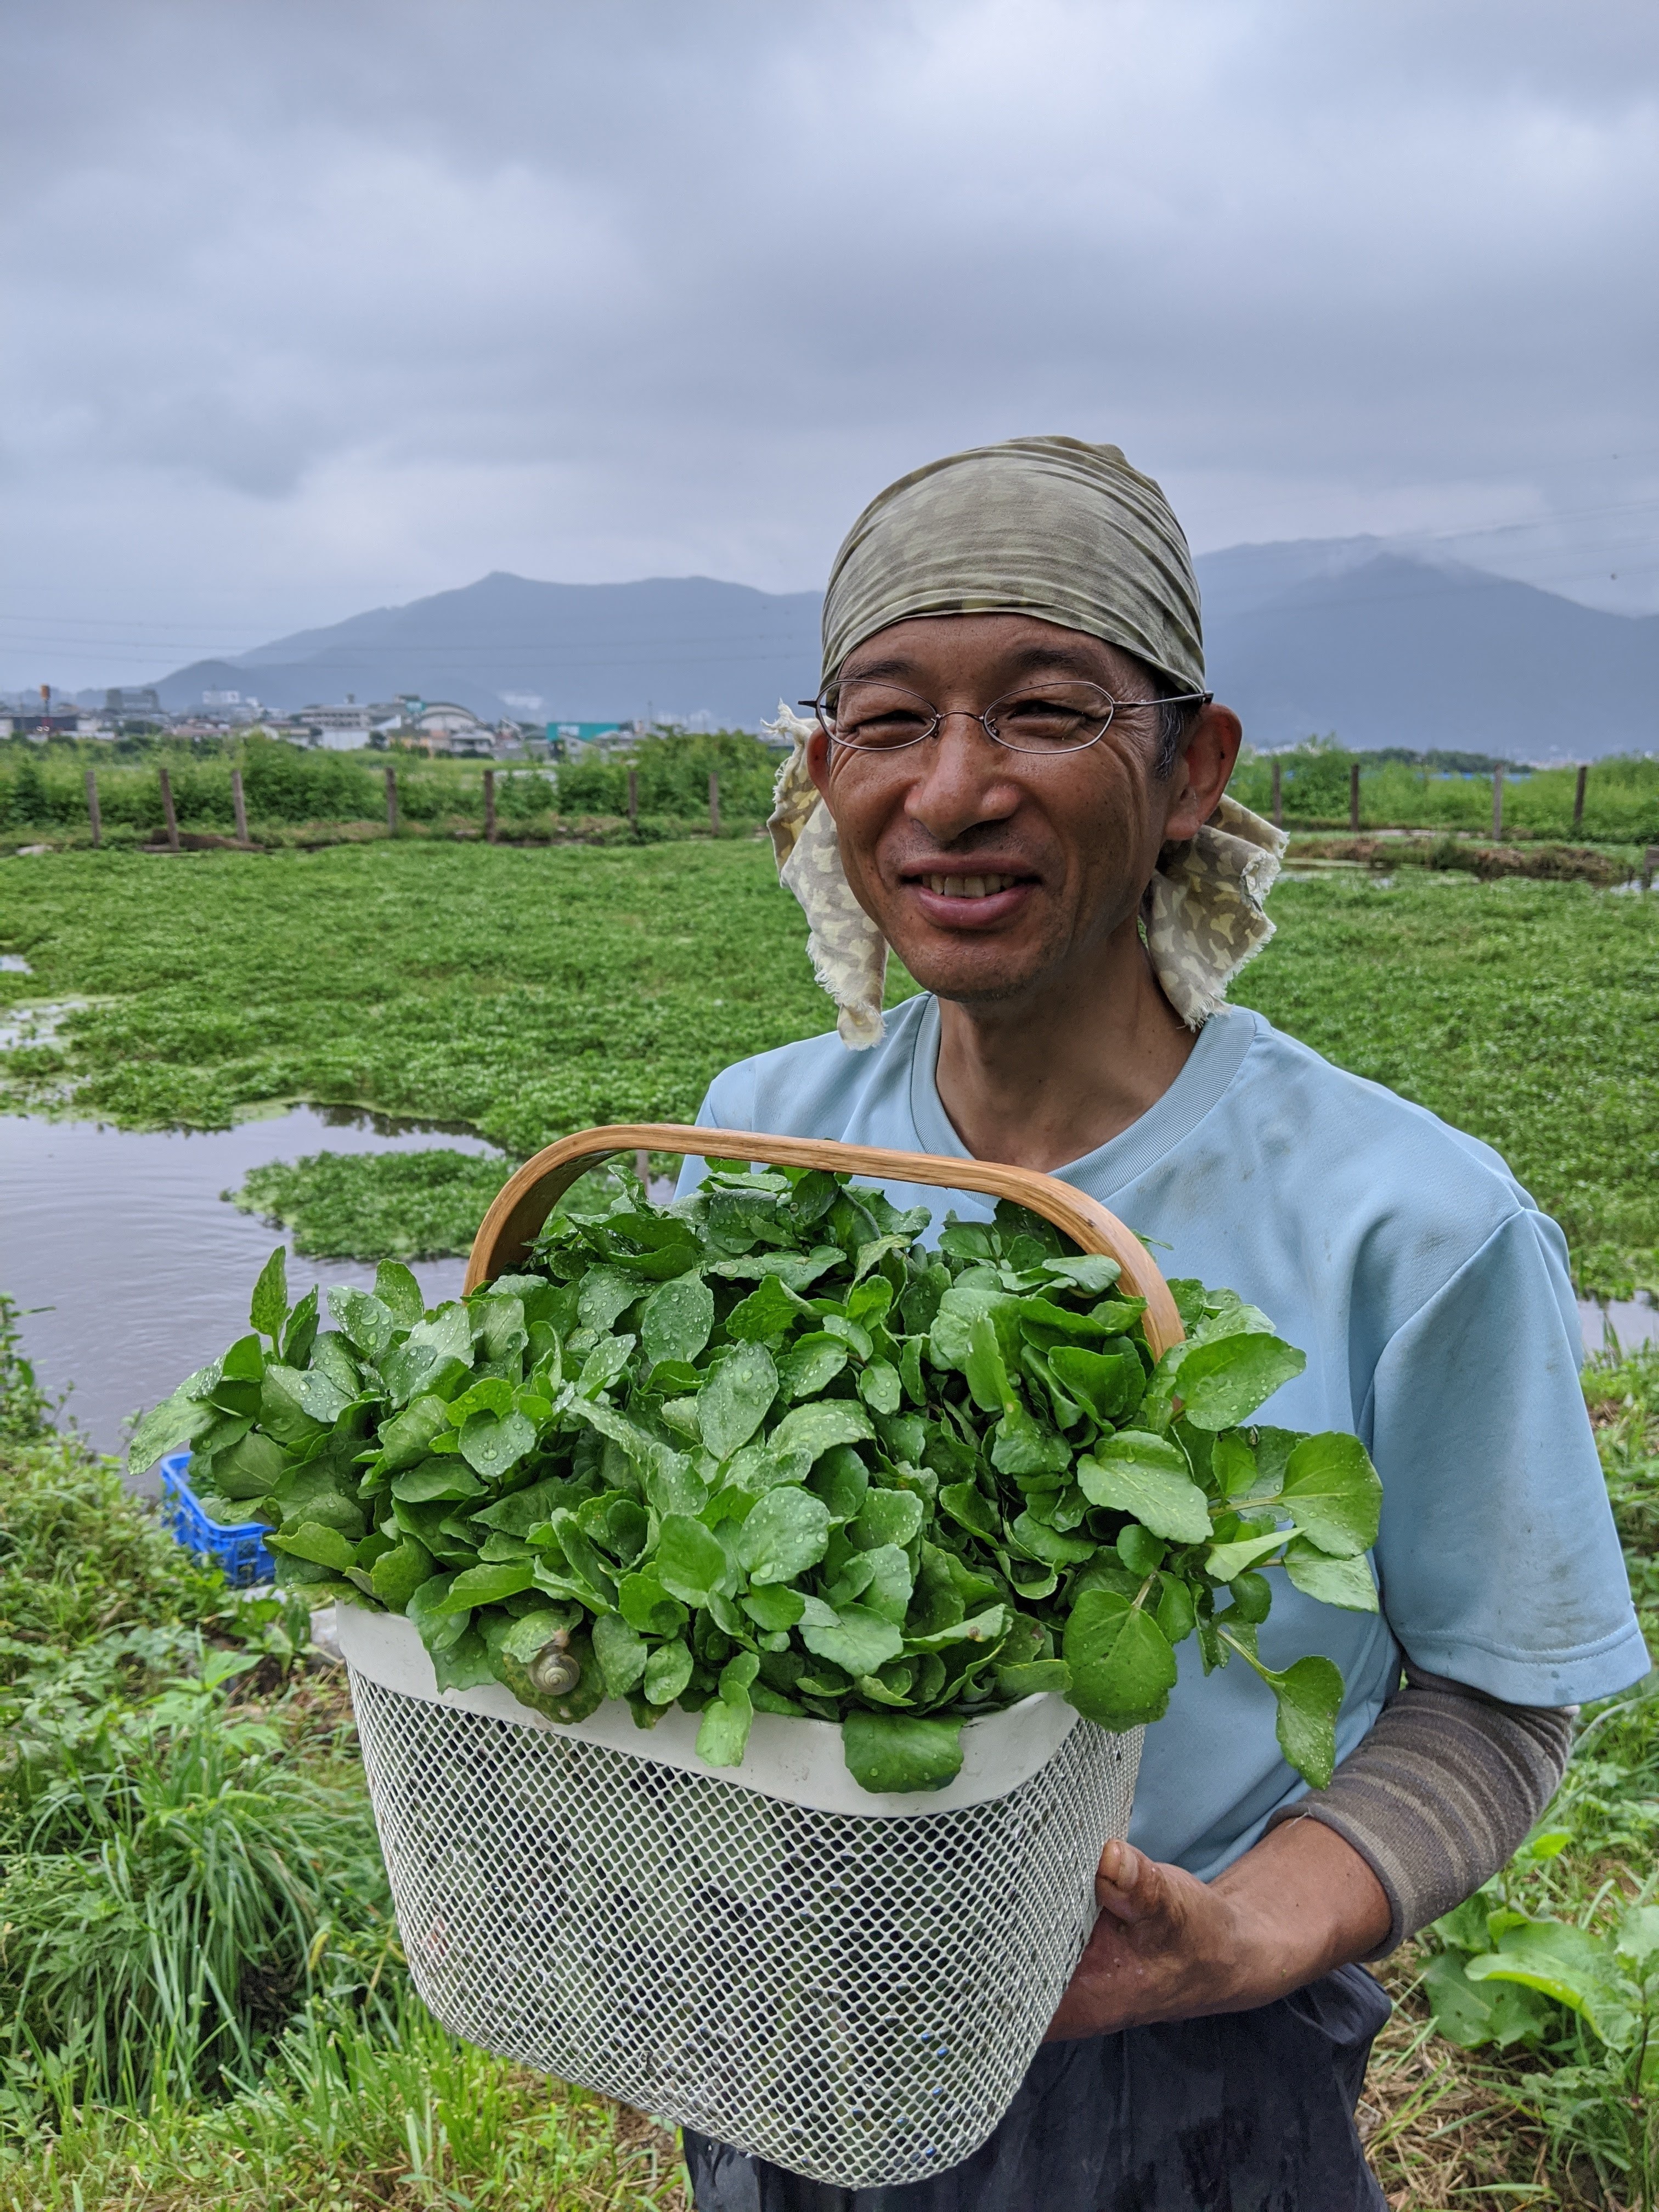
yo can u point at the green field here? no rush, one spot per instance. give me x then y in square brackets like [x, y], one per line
[178, 1786]
[529, 992]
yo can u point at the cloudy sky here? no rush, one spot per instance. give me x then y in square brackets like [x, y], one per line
[318, 305]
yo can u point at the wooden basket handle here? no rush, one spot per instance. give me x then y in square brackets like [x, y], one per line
[528, 1196]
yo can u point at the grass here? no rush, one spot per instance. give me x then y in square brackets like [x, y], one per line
[203, 2002]
[1621, 793]
[376, 1205]
[527, 993]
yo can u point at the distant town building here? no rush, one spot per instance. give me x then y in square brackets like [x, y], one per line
[132, 699]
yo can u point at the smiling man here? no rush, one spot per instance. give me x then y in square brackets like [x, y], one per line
[1015, 779]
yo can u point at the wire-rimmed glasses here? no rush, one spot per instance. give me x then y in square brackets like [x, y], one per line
[868, 714]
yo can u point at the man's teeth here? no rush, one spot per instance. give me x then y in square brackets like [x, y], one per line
[969, 886]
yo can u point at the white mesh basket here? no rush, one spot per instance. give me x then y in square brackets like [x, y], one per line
[849, 1985]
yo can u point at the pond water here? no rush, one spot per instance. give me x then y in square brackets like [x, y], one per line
[143, 1270]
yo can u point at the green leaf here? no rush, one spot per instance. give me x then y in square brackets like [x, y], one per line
[1146, 1476]
[735, 1402]
[814, 1429]
[463, 1664]
[621, 1652]
[887, 1753]
[879, 1387]
[366, 1320]
[1309, 1696]
[437, 1631]
[322, 1546]
[1222, 1383]
[398, 1292]
[667, 1671]
[1049, 1545]
[398, 1574]
[1111, 1384]
[513, 1644]
[1031, 1676]
[1226, 1562]
[887, 1516]
[774, 1608]
[771, 1311]
[407, 1438]
[786, 1532]
[1330, 1491]
[488, 1585]
[446, 1478]
[723, 1734]
[1346, 1582]
[492, 1444]
[690, 1562]
[1568, 1964]
[645, 1605]
[860, 1642]
[986, 1369]
[249, 1467]
[1023, 1446]
[1092, 1273]
[301, 1330]
[1122, 1664]
[967, 1503]
[677, 1319]
[267, 1311]
[812, 1365]
[1468, 2015]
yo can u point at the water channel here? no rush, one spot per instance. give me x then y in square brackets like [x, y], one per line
[130, 1267]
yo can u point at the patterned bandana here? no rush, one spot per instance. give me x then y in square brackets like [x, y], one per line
[1071, 533]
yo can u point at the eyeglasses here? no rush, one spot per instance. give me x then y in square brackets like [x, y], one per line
[866, 714]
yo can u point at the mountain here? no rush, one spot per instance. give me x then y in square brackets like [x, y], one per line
[1387, 647]
[1374, 639]
[681, 646]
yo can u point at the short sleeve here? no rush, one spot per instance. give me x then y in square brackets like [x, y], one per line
[1498, 1561]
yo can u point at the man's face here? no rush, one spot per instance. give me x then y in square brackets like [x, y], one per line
[992, 872]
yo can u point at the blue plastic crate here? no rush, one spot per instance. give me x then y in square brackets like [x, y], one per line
[239, 1549]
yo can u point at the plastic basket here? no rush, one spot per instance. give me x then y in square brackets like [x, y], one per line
[851, 1986]
[239, 1549]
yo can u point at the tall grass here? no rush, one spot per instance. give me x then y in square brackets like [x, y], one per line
[1622, 795]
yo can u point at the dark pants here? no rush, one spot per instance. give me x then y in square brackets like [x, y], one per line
[1250, 2111]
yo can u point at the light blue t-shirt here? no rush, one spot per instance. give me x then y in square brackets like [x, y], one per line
[1432, 1299]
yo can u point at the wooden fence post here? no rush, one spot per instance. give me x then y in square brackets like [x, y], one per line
[167, 814]
[714, 802]
[238, 800]
[1578, 797]
[392, 802]
[92, 815]
[489, 806]
[1278, 794]
[1354, 797]
[634, 799]
[1498, 806]
[1649, 862]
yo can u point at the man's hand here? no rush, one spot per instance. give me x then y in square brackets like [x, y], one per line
[1169, 1946]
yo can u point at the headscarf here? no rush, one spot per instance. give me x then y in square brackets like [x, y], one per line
[1071, 533]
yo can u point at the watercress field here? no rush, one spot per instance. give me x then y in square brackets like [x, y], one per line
[528, 991]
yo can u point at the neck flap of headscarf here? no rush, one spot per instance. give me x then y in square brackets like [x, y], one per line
[1071, 533]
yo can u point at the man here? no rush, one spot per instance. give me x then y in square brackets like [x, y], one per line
[1016, 780]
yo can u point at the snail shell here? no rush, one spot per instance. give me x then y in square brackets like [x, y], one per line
[553, 1670]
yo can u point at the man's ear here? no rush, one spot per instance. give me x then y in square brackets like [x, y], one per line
[818, 764]
[1201, 775]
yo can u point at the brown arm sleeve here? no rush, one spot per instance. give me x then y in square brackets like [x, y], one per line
[1440, 1793]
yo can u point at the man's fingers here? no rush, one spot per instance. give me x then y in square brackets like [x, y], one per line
[1127, 1883]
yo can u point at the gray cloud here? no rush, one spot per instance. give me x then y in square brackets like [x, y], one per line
[314, 307]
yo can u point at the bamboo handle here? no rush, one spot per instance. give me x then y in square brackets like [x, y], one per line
[528, 1196]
